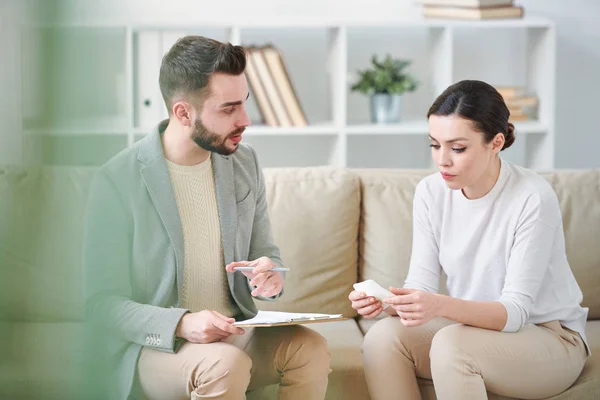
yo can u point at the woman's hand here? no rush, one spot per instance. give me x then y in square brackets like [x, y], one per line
[415, 307]
[368, 307]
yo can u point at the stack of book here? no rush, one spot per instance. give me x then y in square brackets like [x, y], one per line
[522, 106]
[470, 9]
[272, 87]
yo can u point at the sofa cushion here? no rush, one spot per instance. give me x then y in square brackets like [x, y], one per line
[579, 195]
[365, 324]
[314, 213]
[41, 360]
[386, 224]
[41, 226]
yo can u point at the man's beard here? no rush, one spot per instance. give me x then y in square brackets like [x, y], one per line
[212, 141]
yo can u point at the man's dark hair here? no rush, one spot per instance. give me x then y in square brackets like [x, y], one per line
[187, 67]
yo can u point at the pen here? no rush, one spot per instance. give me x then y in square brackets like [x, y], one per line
[252, 268]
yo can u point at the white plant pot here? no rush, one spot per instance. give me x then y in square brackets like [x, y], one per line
[385, 108]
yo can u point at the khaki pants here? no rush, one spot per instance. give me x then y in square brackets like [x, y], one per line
[295, 357]
[465, 362]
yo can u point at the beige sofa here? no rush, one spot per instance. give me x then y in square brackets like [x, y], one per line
[335, 227]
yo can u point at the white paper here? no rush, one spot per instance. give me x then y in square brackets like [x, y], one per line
[373, 289]
[274, 317]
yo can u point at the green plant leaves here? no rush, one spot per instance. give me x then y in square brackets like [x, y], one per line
[385, 76]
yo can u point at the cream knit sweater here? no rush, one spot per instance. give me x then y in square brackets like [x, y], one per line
[205, 284]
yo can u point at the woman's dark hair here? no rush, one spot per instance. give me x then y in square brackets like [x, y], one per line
[480, 103]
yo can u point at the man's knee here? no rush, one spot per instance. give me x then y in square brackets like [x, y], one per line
[314, 348]
[316, 344]
[229, 370]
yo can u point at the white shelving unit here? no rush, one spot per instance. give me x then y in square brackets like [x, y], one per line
[322, 58]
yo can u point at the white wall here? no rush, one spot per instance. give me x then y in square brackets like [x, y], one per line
[578, 79]
[578, 55]
[10, 89]
[14, 15]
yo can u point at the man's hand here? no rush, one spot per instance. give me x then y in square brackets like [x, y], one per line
[368, 307]
[415, 307]
[268, 283]
[206, 327]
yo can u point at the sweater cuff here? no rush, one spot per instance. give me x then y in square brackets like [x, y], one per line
[514, 320]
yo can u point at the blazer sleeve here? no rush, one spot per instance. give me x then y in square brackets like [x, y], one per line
[261, 242]
[107, 245]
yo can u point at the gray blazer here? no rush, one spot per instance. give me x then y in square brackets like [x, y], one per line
[133, 248]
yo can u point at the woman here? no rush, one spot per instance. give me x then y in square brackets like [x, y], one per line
[512, 324]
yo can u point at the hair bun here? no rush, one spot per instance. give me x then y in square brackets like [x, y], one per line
[509, 136]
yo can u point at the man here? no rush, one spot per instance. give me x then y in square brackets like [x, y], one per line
[168, 220]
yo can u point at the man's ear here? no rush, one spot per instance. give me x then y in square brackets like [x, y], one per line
[497, 142]
[183, 112]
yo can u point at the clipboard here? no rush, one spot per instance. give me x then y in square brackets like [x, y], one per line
[303, 321]
[267, 319]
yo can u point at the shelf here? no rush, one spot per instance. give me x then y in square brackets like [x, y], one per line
[262, 130]
[418, 21]
[441, 52]
[192, 22]
[81, 150]
[402, 128]
[421, 127]
[489, 23]
[75, 132]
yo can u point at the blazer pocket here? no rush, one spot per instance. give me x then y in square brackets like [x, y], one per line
[245, 219]
[246, 203]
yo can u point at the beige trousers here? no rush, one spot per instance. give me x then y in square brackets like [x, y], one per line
[295, 357]
[465, 362]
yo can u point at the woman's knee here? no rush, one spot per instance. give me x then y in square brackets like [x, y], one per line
[382, 334]
[448, 345]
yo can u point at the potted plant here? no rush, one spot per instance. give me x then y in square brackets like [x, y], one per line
[385, 83]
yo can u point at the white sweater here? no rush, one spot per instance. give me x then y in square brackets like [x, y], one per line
[507, 246]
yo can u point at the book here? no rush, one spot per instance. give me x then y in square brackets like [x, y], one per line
[510, 91]
[521, 101]
[516, 112]
[268, 82]
[472, 13]
[279, 318]
[281, 78]
[466, 3]
[514, 118]
[259, 91]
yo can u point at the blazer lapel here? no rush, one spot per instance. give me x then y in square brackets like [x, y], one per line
[226, 200]
[223, 170]
[158, 182]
